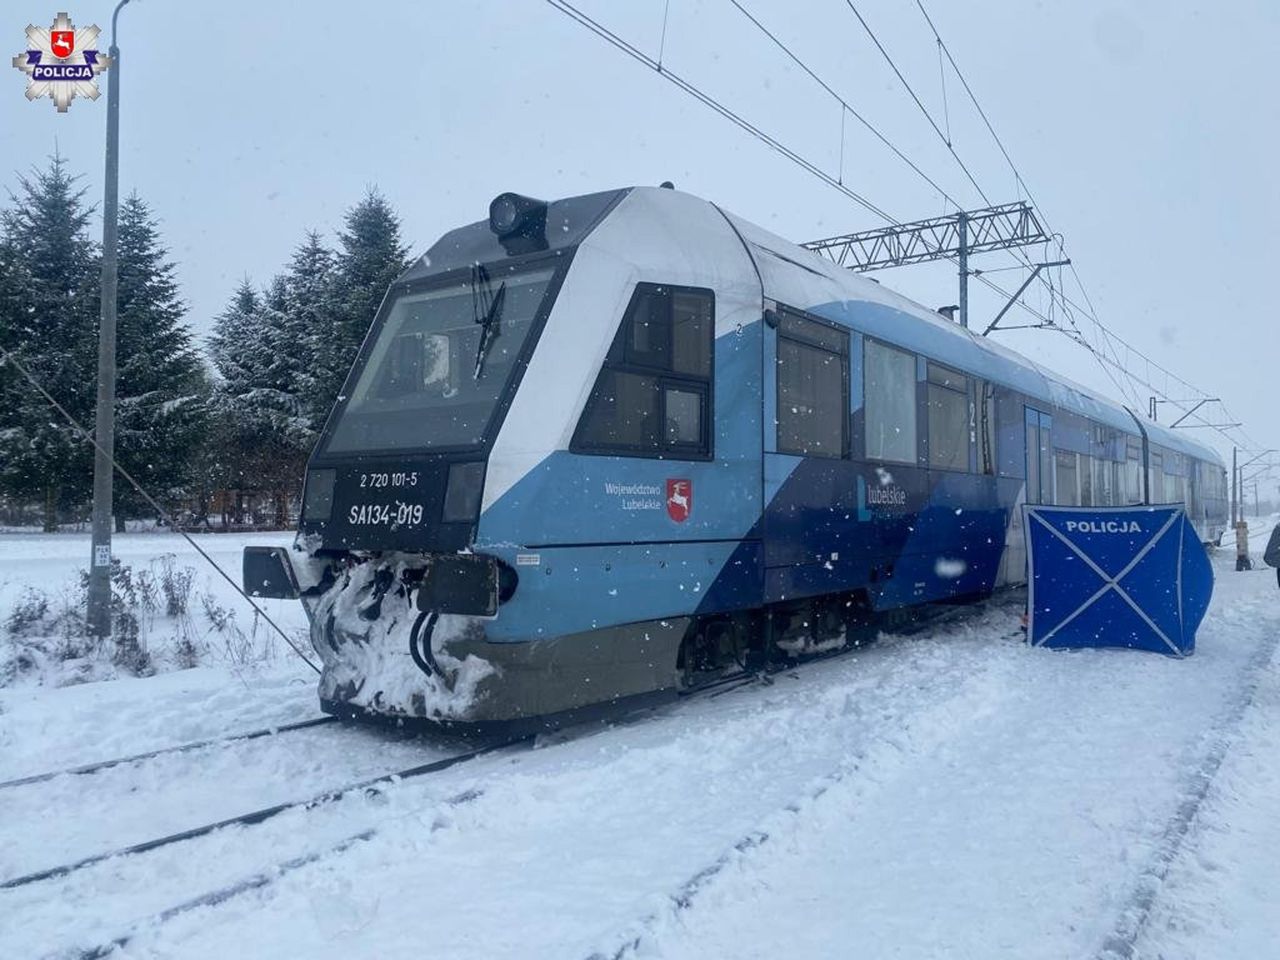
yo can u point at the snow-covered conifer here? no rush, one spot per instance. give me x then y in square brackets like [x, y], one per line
[372, 255]
[160, 410]
[48, 319]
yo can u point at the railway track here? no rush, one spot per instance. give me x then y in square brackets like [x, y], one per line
[97, 766]
[247, 885]
[1122, 943]
[265, 878]
[277, 729]
[261, 815]
[712, 689]
[724, 685]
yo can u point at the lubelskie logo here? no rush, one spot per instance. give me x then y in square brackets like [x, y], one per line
[679, 499]
[61, 62]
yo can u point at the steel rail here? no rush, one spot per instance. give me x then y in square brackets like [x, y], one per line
[255, 817]
[89, 768]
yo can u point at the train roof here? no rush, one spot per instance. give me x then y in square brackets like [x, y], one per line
[803, 279]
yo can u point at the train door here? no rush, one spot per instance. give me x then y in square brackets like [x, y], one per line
[1039, 427]
[813, 517]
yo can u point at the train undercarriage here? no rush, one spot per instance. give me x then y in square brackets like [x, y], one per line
[390, 655]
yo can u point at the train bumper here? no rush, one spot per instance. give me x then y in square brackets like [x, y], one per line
[363, 628]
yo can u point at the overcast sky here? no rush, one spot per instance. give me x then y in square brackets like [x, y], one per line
[1146, 131]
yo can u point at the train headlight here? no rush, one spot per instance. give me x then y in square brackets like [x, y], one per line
[317, 502]
[521, 219]
[462, 493]
[504, 214]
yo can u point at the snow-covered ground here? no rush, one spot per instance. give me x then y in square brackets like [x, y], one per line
[954, 794]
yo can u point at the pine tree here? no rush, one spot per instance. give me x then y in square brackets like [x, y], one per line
[48, 319]
[160, 412]
[282, 353]
[235, 347]
[232, 341]
[308, 309]
[372, 256]
[263, 351]
[283, 367]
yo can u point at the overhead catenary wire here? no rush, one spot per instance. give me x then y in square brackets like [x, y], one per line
[569, 10]
[946, 139]
[1025, 263]
[845, 105]
[1046, 321]
[1075, 334]
[919, 103]
[1060, 294]
[7, 356]
[1108, 337]
[942, 78]
[605, 33]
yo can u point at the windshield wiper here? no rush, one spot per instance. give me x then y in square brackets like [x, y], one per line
[492, 315]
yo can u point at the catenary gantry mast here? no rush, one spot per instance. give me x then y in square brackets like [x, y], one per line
[955, 236]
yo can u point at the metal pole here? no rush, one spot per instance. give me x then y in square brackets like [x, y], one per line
[1234, 456]
[99, 612]
[1238, 479]
[962, 224]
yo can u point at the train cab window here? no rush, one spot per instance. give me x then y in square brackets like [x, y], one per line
[949, 422]
[653, 394]
[813, 387]
[889, 407]
[684, 416]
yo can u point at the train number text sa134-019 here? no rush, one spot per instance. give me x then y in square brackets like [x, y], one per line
[398, 514]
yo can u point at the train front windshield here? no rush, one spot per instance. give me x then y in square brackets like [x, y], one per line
[440, 363]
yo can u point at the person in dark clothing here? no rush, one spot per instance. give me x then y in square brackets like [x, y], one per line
[1272, 555]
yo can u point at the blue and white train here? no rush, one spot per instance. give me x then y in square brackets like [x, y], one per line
[604, 447]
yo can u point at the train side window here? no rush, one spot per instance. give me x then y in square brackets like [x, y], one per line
[949, 433]
[813, 387]
[1133, 473]
[1155, 478]
[1066, 477]
[653, 395]
[1104, 482]
[890, 402]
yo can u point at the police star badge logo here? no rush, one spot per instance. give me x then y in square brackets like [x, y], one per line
[62, 62]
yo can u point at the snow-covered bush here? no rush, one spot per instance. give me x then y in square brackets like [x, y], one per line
[160, 621]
